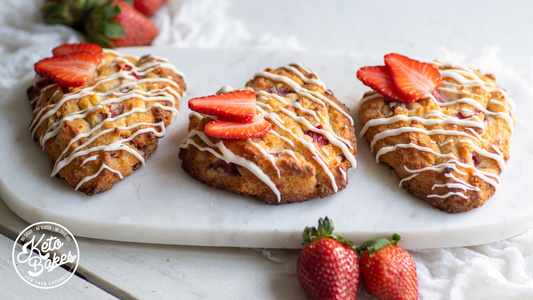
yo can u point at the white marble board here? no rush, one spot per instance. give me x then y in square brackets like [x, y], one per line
[160, 203]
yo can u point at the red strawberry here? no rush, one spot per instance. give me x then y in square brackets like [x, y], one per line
[327, 267]
[237, 106]
[80, 47]
[71, 70]
[237, 130]
[414, 79]
[108, 23]
[148, 7]
[388, 271]
[117, 24]
[140, 31]
[380, 80]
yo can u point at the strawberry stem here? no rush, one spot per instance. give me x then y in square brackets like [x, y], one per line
[375, 245]
[325, 228]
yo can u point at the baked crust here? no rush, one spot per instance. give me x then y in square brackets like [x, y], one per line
[447, 148]
[296, 137]
[97, 134]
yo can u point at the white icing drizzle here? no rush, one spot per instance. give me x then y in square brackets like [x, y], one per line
[129, 82]
[269, 157]
[311, 146]
[448, 194]
[397, 131]
[489, 86]
[117, 145]
[229, 157]
[465, 77]
[332, 137]
[312, 95]
[479, 150]
[94, 157]
[293, 104]
[427, 122]
[341, 170]
[370, 96]
[388, 149]
[225, 89]
[304, 79]
[288, 141]
[446, 143]
[104, 166]
[407, 179]
[461, 184]
[290, 153]
[193, 113]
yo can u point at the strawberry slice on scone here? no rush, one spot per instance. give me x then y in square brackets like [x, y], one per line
[401, 79]
[380, 80]
[221, 128]
[237, 106]
[79, 47]
[71, 70]
[413, 78]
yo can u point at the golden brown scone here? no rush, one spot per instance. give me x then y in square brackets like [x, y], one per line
[99, 133]
[306, 155]
[448, 148]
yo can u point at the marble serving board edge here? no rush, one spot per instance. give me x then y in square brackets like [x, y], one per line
[160, 203]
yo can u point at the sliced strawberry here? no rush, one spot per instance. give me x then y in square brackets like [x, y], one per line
[71, 70]
[237, 106]
[80, 47]
[413, 78]
[236, 130]
[380, 80]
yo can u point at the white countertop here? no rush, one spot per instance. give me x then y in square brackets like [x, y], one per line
[415, 28]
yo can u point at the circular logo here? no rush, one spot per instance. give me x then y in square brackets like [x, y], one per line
[46, 255]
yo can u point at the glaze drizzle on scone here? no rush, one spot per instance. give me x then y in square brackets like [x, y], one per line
[99, 133]
[305, 155]
[449, 147]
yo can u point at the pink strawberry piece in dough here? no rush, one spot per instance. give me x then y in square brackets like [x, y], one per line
[440, 97]
[318, 138]
[229, 168]
[280, 92]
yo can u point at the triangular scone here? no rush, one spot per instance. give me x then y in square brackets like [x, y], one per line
[99, 133]
[448, 147]
[306, 155]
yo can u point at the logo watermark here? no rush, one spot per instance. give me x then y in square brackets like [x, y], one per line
[42, 253]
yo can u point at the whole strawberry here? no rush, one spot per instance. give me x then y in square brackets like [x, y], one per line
[388, 271]
[327, 267]
[108, 23]
[117, 24]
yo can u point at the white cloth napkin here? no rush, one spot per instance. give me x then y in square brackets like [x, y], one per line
[501, 270]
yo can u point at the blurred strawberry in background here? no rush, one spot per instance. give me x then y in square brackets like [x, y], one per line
[148, 7]
[108, 23]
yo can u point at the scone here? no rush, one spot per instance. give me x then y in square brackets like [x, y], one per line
[305, 155]
[450, 146]
[100, 132]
